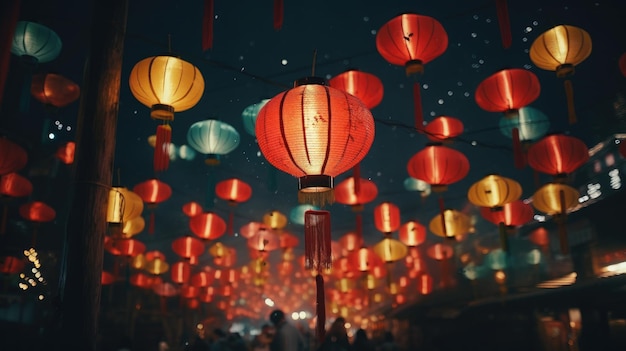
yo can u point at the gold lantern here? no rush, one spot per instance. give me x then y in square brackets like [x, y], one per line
[123, 205]
[452, 224]
[557, 199]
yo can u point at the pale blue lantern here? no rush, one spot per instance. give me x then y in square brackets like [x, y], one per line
[250, 114]
[531, 123]
[213, 138]
[296, 215]
[496, 259]
[186, 153]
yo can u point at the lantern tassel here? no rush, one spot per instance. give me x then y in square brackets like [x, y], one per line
[207, 25]
[317, 240]
[417, 106]
[504, 238]
[320, 307]
[151, 223]
[504, 22]
[571, 109]
[563, 240]
[3, 224]
[356, 175]
[161, 147]
[320, 198]
[231, 219]
[518, 154]
[279, 13]
[359, 227]
[442, 212]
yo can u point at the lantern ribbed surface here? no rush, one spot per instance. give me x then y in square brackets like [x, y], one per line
[166, 84]
[314, 130]
[438, 166]
[557, 154]
[559, 46]
[365, 86]
[508, 89]
[494, 191]
[35, 40]
[213, 137]
[548, 198]
[442, 128]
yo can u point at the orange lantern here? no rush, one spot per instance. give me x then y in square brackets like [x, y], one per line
[314, 132]
[557, 155]
[513, 214]
[557, 199]
[561, 49]
[234, 191]
[364, 259]
[412, 40]
[12, 156]
[12, 185]
[37, 212]
[387, 217]
[412, 233]
[54, 90]
[443, 129]
[275, 220]
[152, 192]
[365, 86]
[65, 153]
[207, 225]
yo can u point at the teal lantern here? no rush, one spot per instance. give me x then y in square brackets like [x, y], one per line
[296, 215]
[186, 152]
[531, 124]
[496, 259]
[33, 43]
[413, 184]
[250, 114]
[214, 139]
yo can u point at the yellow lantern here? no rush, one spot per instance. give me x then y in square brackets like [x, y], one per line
[560, 49]
[275, 220]
[138, 262]
[133, 227]
[450, 224]
[123, 205]
[218, 250]
[494, 191]
[390, 250]
[156, 266]
[557, 199]
[166, 84]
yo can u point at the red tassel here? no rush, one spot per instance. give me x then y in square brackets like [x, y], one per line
[417, 101]
[571, 109]
[359, 227]
[231, 219]
[320, 298]
[518, 155]
[317, 240]
[504, 22]
[10, 11]
[161, 147]
[163, 304]
[279, 13]
[356, 175]
[151, 224]
[563, 240]
[207, 25]
[442, 211]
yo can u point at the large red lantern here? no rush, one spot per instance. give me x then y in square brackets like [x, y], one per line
[438, 166]
[412, 233]
[152, 192]
[507, 91]
[412, 40]
[314, 132]
[234, 191]
[12, 156]
[557, 155]
[365, 86]
[512, 214]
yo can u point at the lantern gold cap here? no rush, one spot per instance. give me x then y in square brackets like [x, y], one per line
[309, 80]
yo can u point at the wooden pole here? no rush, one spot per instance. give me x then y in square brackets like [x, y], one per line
[80, 284]
[9, 14]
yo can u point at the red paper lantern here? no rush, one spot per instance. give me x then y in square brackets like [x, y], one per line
[189, 292]
[512, 214]
[288, 240]
[65, 153]
[207, 225]
[37, 211]
[234, 191]
[107, 278]
[350, 241]
[12, 156]
[128, 247]
[438, 166]
[346, 194]
[11, 265]
[192, 208]
[188, 246]
[412, 233]
[15, 185]
[364, 259]
[54, 89]
[443, 128]
[557, 155]
[365, 86]
[203, 278]
[180, 272]
[411, 40]
[250, 229]
[152, 192]
[144, 281]
[264, 240]
[387, 217]
[508, 90]
[314, 132]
